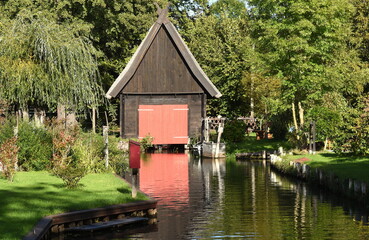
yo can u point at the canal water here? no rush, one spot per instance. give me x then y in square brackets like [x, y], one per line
[220, 199]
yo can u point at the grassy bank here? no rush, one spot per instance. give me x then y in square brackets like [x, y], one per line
[34, 195]
[343, 166]
[250, 144]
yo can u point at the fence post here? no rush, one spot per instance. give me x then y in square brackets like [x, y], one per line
[220, 131]
[106, 141]
[206, 129]
[134, 164]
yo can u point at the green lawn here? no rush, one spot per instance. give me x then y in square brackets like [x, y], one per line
[344, 166]
[252, 145]
[34, 195]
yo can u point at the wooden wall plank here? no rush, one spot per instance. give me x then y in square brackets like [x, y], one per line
[131, 116]
[132, 102]
[162, 70]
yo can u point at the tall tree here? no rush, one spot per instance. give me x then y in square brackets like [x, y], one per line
[361, 27]
[44, 63]
[306, 44]
[220, 42]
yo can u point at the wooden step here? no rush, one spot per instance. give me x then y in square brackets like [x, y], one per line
[109, 224]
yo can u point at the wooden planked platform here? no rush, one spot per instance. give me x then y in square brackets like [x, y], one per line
[104, 225]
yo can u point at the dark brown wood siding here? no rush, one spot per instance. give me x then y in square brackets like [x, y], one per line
[131, 103]
[162, 70]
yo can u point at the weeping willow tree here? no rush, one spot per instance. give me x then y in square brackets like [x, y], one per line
[43, 63]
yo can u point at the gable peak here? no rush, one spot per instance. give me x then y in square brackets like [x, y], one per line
[162, 13]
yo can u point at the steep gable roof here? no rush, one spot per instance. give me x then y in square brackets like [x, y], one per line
[132, 66]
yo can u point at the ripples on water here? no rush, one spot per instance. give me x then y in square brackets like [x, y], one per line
[219, 199]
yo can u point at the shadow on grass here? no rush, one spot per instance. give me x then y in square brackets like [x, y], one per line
[124, 190]
[22, 207]
[341, 158]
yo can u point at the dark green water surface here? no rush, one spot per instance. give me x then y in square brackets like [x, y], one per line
[219, 199]
[241, 200]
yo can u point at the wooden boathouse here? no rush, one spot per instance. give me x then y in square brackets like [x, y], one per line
[162, 90]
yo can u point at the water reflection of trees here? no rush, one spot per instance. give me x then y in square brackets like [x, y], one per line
[227, 199]
[250, 200]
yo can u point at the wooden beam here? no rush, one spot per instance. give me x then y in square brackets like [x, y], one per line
[102, 212]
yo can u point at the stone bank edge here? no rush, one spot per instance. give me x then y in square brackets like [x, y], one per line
[348, 187]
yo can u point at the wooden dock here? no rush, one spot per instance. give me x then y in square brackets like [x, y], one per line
[110, 224]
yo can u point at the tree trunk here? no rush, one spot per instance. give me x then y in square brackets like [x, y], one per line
[301, 115]
[39, 117]
[295, 120]
[252, 98]
[252, 108]
[25, 114]
[71, 119]
[325, 144]
[94, 120]
[61, 112]
[252, 90]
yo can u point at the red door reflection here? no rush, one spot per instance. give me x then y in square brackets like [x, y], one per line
[164, 176]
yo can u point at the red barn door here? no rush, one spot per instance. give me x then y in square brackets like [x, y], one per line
[167, 124]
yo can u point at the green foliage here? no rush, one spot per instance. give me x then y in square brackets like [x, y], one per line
[277, 52]
[70, 174]
[234, 131]
[353, 135]
[285, 167]
[329, 115]
[8, 157]
[65, 163]
[146, 142]
[308, 45]
[35, 144]
[279, 125]
[264, 91]
[223, 48]
[7, 129]
[250, 144]
[35, 147]
[361, 28]
[118, 154]
[45, 63]
[88, 151]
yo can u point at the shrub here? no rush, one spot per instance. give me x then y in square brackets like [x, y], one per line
[35, 147]
[7, 129]
[71, 174]
[65, 164]
[279, 125]
[234, 131]
[146, 143]
[118, 154]
[8, 157]
[35, 144]
[88, 151]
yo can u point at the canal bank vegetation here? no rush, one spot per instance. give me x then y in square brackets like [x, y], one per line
[55, 167]
[33, 195]
[343, 166]
[251, 144]
[65, 151]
